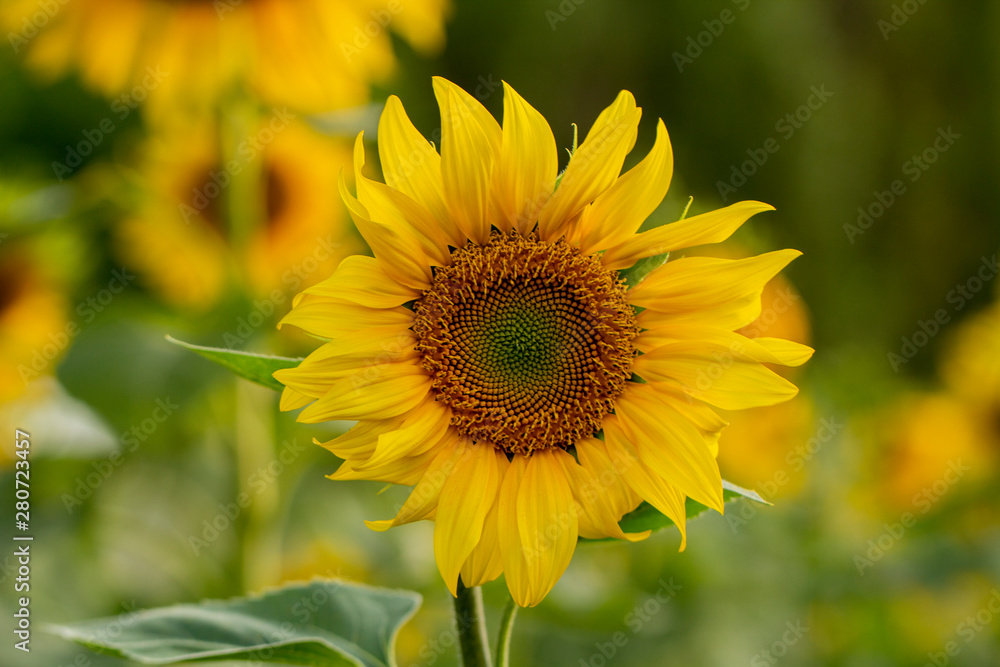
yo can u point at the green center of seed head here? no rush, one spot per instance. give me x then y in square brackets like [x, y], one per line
[522, 342]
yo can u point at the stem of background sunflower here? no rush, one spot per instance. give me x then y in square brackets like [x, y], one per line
[254, 449]
[506, 631]
[470, 623]
[242, 162]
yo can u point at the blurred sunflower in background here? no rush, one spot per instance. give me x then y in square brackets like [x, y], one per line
[312, 55]
[971, 372]
[181, 238]
[491, 340]
[914, 469]
[928, 441]
[33, 318]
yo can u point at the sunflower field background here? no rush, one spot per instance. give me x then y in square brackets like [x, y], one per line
[134, 132]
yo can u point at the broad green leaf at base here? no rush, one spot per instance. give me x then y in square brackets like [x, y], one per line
[257, 368]
[324, 623]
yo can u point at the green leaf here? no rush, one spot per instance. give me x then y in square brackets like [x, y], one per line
[636, 273]
[324, 623]
[257, 368]
[647, 517]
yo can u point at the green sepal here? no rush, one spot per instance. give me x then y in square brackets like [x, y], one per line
[636, 273]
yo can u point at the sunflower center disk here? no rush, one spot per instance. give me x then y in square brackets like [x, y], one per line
[529, 343]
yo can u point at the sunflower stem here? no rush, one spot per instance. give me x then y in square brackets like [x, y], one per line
[506, 632]
[470, 623]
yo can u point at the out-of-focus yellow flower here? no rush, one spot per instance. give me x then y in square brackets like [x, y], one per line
[971, 371]
[768, 448]
[313, 55]
[930, 443]
[180, 241]
[34, 331]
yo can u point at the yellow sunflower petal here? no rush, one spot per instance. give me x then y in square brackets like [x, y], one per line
[713, 227]
[594, 457]
[400, 256]
[526, 172]
[484, 563]
[423, 499]
[594, 166]
[423, 428]
[684, 283]
[784, 352]
[765, 350]
[412, 165]
[596, 514]
[470, 143]
[515, 569]
[704, 418]
[293, 400]
[320, 370]
[335, 319]
[393, 391]
[405, 471]
[388, 347]
[715, 374]
[362, 280]
[361, 439]
[546, 518]
[704, 291]
[649, 485]
[669, 444]
[465, 500]
[617, 213]
[404, 215]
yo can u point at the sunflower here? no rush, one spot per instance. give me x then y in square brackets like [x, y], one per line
[34, 329]
[313, 55]
[179, 241]
[493, 356]
[971, 370]
[912, 470]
